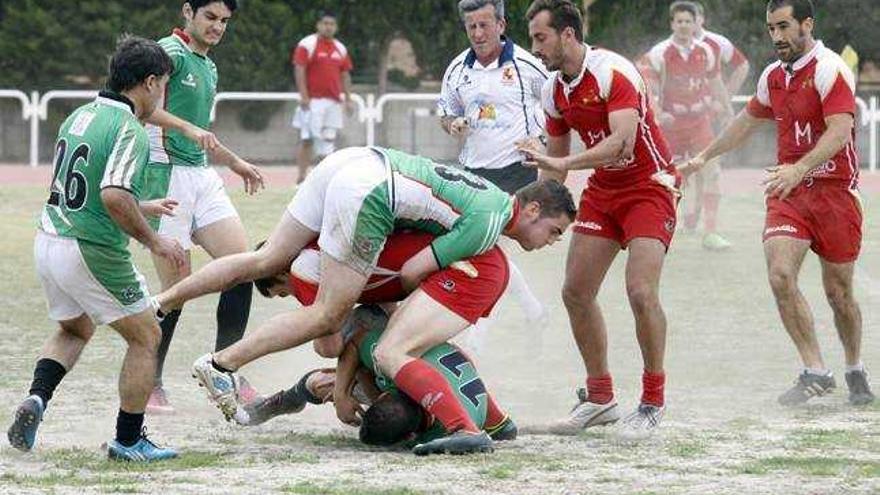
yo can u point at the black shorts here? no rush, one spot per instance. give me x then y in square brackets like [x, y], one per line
[510, 178]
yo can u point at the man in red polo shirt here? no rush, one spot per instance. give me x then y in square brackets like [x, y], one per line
[629, 203]
[321, 67]
[812, 196]
[685, 81]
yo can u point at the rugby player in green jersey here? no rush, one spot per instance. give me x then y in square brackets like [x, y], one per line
[180, 146]
[81, 247]
[355, 198]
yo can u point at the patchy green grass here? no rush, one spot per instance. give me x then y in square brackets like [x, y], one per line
[687, 449]
[814, 466]
[345, 488]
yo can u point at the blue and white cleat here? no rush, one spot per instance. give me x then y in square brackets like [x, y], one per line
[142, 451]
[222, 387]
[23, 432]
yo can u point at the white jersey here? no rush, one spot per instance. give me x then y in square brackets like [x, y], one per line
[501, 102]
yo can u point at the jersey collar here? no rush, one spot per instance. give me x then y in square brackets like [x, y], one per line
[804, 60]
[514, 217]
[506, 55]
[568, 86]
[181, 36]
[112, 99]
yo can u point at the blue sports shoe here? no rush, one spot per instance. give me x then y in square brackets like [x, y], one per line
[142, 451]
[23, 432]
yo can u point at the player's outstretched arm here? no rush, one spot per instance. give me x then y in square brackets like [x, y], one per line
[126, 212]
[738, 77]
[166, 120]
[732, 137]
[348, 410]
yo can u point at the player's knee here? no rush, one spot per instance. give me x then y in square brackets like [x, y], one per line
[329, 319]
[642, 295]
[387, 357]
[783, 280]
[328, 346]
[576, 297]
[146, 338]
[839, 296]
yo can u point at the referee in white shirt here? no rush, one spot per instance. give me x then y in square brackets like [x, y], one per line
[491, 96]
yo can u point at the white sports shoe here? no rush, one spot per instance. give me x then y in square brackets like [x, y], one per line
[641, 423]
[222, 387]
[585, 415]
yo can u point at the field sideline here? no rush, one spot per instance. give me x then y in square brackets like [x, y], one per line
[728, 358]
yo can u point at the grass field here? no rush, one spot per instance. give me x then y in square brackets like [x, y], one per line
[728, 358]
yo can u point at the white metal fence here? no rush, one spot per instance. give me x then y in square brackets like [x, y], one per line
[35, 109]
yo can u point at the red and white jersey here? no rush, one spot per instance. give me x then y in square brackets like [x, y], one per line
[682, 74]
[607, 83]
[726, 53]
[325, 60]
[799, 97]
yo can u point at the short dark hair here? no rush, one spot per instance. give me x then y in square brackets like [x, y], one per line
[801, 9]
[683, 6]
[555, 199]
[563, 14]
[390, 420]
[468, 6]
[197, 4]
[325, 13]
[134, 60]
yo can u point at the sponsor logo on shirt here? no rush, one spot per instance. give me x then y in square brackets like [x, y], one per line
[588, 225]
[781, 228]
[507, 75]
[189, 80]
[448, 285]
[429, 399]
[131, 294]
[590, 98]
[487, 112]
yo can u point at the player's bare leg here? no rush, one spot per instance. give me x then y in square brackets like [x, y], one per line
[837, 279]
[282, 246]
[710, 195]
[785, 255]
[303, 159]
[142, 334]
[60, 352]
[418, 325]
[339, 290]
[643, 268]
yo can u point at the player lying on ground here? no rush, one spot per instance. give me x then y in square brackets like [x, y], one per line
[81, 247]
[390, 417]
[355, 198]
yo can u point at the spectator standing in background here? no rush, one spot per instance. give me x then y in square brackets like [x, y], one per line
[321, 69]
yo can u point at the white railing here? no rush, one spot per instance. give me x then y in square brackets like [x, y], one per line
[371, 111]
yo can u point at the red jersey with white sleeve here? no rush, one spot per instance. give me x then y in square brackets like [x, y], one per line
[726, 53]
[682, 74]
[325, 60]
[607, 83]
[799, 97]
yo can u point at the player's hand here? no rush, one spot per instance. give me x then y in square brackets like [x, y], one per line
[348, 410]
[692, 166]
[250, 174]
[158, 207]
[782, 179]
[170, 249]
[304, 103]
[204, 138]
[459, 126]
[537, 158]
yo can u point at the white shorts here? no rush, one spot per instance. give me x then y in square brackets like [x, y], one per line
[202, 201]
[320, 124]
[346, 200]
[81, 278]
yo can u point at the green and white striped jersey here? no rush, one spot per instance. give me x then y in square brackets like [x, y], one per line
[465, 212]
[101, 144]
[190, 96]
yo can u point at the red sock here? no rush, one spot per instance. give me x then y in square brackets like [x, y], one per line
[494, 415]
[710, 205]
[427, 386]
[652, 388]
[600, 390]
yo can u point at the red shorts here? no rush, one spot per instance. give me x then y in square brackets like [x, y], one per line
[687, 142]
[826, 214]
[471, 296]
[646, 209]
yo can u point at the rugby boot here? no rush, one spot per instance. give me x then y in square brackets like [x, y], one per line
[586, 414]
[505, 431]
[807, 386]
[859, 390]
[222, 388]
[641, 423]
[22, 433]
[458, 443]
[158, 402]
[144, 450]
[715, 242]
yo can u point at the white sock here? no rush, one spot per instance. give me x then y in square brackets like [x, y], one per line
[860, 366]
[820, 372]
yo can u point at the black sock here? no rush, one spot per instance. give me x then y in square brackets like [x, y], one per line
[48, 373]
[219, 368]
[302, 391]
[233, 311]
[128, 427]
[168, 324]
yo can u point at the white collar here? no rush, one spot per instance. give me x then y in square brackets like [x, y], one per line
[806, 58]
[577, 80]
